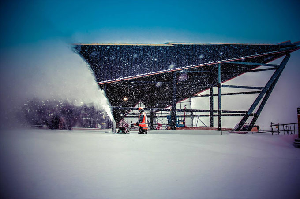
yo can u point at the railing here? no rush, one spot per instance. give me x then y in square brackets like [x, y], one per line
[289, 128]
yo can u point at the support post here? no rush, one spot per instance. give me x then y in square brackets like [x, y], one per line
[173, 109]
[263, 92]
[151, 119]
[297, 140]
[298, 115]
[114, 123]
[192, 119]
[211, 100]
[219, 97]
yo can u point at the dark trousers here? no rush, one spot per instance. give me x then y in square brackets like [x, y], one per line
[142, 131]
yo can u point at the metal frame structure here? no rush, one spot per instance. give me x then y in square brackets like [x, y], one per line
[161, 75]
[263, 95]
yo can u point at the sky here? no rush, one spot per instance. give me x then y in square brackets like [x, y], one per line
[36, 59]
[149, 21]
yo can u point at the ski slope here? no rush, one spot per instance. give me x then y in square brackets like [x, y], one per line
[162, 164]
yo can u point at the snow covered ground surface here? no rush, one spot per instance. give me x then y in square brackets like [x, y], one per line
[162, 164]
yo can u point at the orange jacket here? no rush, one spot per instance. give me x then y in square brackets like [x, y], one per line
[143, 120]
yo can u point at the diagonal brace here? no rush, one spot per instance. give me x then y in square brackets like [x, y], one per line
[263, 92]
[263, 103]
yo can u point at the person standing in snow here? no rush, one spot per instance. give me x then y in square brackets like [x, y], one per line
[142, 122]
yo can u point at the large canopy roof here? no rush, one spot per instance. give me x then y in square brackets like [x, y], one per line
[145, 72]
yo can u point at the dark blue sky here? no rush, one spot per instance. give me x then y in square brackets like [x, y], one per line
[150, 21]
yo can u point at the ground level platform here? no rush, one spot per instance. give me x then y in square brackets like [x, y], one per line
[38, 163]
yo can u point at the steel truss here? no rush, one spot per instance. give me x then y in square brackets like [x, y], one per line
[162, 75]
[264, 94]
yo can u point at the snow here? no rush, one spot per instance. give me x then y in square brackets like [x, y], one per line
[162, 164]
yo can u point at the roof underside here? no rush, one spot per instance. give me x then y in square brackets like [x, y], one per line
[145, 72]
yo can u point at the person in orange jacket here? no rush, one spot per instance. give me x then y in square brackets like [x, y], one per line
[142, 122]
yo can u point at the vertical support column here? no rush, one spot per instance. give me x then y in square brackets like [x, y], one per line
[173, 109]
[192, 118]
[211, 112]
[114, 125]
[191, 114]
[298, 115]
[151, 119]
[297, 140]
[219, 97]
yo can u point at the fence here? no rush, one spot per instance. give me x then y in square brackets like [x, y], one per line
[289, 128]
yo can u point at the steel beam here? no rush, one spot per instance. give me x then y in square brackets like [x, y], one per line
[164, 116]
[246, 87]
[173, 109]
[263, 92]
[259, 70]
[253, 64]
[211, 104]
[237, 93]
[264, 101]
[152, 115]
[219, 97]
[177, 110]
[239, 115]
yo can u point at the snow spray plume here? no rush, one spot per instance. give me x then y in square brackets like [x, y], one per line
[49, 71]
[62, 115]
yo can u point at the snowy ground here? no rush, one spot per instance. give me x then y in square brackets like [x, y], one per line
[185, 164]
